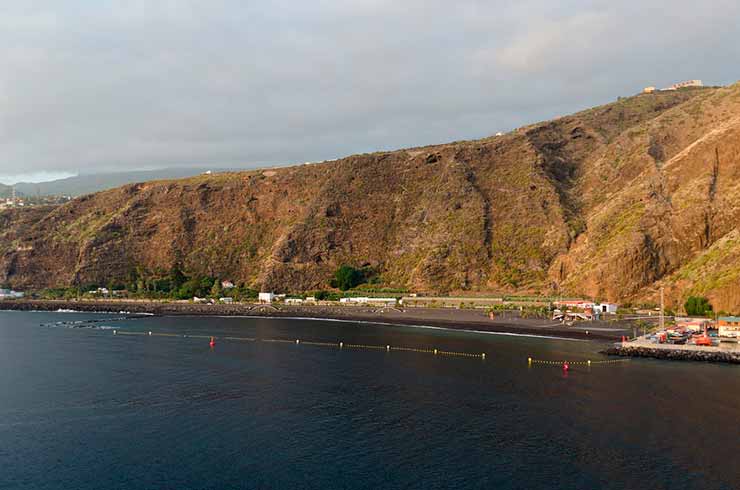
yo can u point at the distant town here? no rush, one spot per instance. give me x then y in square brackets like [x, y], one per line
[17, 201]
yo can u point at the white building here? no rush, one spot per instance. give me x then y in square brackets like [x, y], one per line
[227, 285]
[687, 83]
[729, 326]
[10, 294]
[266, 298]
[606, 308]
[580, 304]
[293, 301]
[226, 300]
[684, 84]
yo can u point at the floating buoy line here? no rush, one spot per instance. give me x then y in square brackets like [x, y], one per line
[566, 364]
[91, 324]
[337, 345]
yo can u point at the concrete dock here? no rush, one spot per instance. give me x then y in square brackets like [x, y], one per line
[722, 347]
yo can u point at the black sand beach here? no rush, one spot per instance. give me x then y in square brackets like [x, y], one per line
[458, 319]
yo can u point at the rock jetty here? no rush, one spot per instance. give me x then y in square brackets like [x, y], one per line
[675, 354]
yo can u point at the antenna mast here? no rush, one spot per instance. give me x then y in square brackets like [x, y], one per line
[662, 309]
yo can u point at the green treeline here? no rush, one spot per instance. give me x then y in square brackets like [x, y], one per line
[176, 284]
[172, 285]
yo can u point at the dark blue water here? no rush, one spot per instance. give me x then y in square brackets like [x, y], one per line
[86, 409]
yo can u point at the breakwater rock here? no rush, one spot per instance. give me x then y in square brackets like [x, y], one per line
[675, 354]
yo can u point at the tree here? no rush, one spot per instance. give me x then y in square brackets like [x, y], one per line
[216, 290]
[698, 306]
[132, 280]
[177, 278]
[206, 283]
[347, 277]
[162, 285]
[326, 296]
[243, 292]
[188, 289]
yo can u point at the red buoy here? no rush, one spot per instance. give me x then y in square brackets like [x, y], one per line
[213, 342]
[566, 366]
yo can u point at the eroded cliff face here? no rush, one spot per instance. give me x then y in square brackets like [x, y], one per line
[657, 198]
[610, 202]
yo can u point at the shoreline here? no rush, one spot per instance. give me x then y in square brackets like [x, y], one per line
[468, 320]
[410, 325]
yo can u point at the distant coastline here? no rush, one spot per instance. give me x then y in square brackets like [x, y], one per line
[447, 318]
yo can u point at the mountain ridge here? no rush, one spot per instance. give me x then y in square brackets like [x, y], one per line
[611, 202]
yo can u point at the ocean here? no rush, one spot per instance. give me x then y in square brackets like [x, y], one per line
[82, 407]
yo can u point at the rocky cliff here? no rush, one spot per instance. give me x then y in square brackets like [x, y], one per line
[610, 202]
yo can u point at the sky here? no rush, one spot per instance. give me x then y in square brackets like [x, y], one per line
[100, 85]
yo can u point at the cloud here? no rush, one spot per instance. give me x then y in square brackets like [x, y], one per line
[138, 84]
[545, 43]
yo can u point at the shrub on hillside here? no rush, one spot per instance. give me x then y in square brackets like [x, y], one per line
[347, 277]
[698, 306]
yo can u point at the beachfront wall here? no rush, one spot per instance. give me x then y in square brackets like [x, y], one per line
[369, 301]
[451, 302]
[729, 326]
